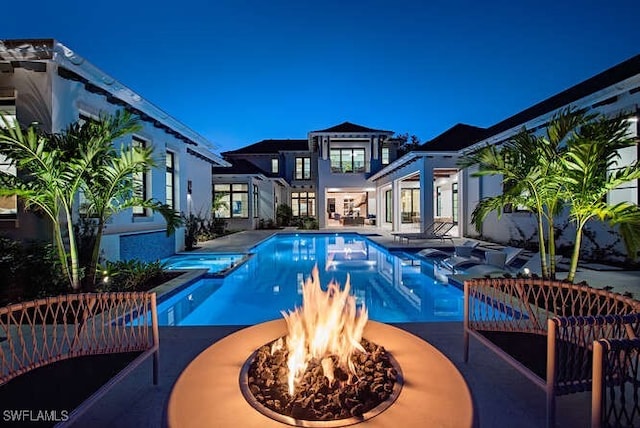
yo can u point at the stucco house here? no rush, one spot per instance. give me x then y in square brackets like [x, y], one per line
[324, 176]
[448, 192]
[347, 175]
[46, 82]
[351, 175]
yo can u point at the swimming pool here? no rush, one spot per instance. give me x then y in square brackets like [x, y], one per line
[395, 287]
[214, 263]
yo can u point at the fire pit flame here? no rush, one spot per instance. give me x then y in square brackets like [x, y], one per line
[327, 324]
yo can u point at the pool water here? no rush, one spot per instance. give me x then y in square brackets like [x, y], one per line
[214, 263]
[395, 287]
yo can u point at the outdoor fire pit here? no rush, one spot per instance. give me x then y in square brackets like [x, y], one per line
[260, 377]
[323, 370]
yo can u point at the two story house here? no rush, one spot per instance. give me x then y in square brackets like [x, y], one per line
[324, 176]
[349, 174]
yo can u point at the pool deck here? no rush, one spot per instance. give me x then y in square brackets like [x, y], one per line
[503, 397]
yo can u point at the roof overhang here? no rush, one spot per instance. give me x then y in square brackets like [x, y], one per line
[408, 159]
[15, 52]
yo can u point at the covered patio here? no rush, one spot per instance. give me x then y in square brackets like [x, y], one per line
[417, 190]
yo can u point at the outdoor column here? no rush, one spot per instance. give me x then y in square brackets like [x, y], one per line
[396, 206]
[321, 207]
[426, 194]
[380, 210]
[462, 227]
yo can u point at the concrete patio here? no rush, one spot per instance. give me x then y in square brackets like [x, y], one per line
[503, 397]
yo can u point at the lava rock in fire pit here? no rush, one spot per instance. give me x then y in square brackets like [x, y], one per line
[315, 397]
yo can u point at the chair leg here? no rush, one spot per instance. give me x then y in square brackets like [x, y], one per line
[156, 362]
[551, 410]
[465, 355]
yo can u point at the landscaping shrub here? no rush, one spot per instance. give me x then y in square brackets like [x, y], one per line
[284, 214]
[29, 271]
[132, 275]
[306, 223]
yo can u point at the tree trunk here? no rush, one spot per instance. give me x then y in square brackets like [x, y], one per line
[575, 256]
[552, 248]
[95, 255]
[62, 253]
[543, 252]
[73, 253]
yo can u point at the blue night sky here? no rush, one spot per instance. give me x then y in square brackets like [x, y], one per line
[241, 71]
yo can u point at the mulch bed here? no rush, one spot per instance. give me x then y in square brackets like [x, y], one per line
[61, 386]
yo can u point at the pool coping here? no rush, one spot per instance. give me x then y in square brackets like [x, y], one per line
[175, 285]
[189, 276]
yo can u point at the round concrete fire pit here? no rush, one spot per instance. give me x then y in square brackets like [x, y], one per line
[208, 392]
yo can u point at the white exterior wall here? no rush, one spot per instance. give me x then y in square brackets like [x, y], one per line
[521, 226]
[71, 99]
[55, 101]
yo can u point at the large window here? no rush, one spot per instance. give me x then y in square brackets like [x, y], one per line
[388, 203]
[385, 155]
[235, 200]
[140, 189]
[303, 204]
[275, 167]
[303, 168]
[410, 204]
[8, 204]
[348, 160]
[170, 180]
[454, 202]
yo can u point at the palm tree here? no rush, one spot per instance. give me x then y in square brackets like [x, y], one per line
[108, 186]
[591, 171]
[54, 169]
[572, 165]
[47, 182]
[523, 183]
[531, 167]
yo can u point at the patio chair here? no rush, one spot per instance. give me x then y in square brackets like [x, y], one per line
[466, 249]
[438, 232]
[494, 262]
[432, 228]
[432, 253]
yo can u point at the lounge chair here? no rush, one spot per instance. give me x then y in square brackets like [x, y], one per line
[466, 248]
[463, 250]
[494, 261]
[432, 253]
[432, 228]
[532, 265]
[440, 231]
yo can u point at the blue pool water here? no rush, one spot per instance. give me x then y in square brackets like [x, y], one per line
[394, 287]
[214, 263]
